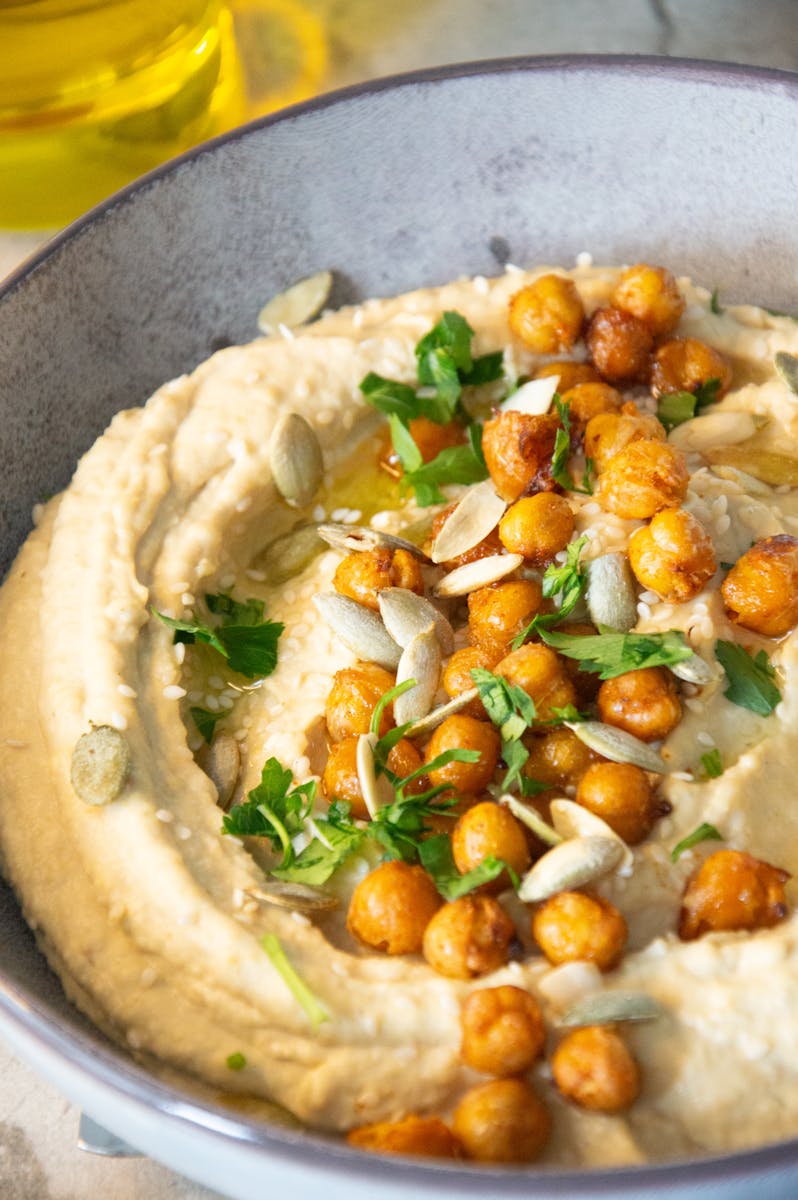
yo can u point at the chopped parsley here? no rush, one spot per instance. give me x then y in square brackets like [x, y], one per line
[336, 838]
[242, 636]
[567, 580]
[205, 720]
[237, 1061]
[750, 678]
[715, 305]
[562, 453]
[712, 764]
[435, 854]
[456, 464]
[704, 833]
[312, 1007]
[610, 654]
[513, 712]
[274, 810]
[674, 408]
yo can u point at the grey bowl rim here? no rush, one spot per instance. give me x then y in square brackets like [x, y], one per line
[132, 1080]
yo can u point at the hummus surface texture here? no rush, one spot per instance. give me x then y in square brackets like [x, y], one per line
[142, 905]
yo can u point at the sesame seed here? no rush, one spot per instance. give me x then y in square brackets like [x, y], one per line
[243, 504]
[163, 815]
[212, 702]
[188, 599]
[319, 512]
[125, 689]
[649, 597]
[179, 650]
[584, 259]
[215, 681]
[182, 586]
[481, 285]
[300, 918]
[257, 576]
[704, 738]
[227, 581]
[173, 691]
[118, 721]
[148, 977]
[182, 832]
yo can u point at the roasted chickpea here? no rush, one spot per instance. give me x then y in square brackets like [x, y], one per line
[391, 908]
[673, 555]
[363, 574]
[608, 433]
[425, 1136]
[557, 757]
[489, 545]
[518, 449]
[652, 295]
[464, 733]
[502, 1121]
[547, 315]
[431, 438]
[643, 478]
[537, 526]
[503, 1030]
[457, 675]
[619, 345]
[499, 612]
[571, 926]
[569, 374]
[540, 672]
[594, 1068]
[684, 364]
[645, 703]
[621, 795]
[488, 829]
[588, 400]
[761, 590]
[468, 937]
[340, 780]
[732, 890]
[352, 699]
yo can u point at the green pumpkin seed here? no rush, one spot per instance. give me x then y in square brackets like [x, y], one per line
[100, 765]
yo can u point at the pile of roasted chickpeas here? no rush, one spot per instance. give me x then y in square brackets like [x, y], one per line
[396, 908]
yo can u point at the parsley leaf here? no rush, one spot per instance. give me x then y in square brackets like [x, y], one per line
[706, 393]
[205, 720]
[455, 464]
[485, 369]
[750, 678]
[611, 654]
[313, 1008]
[712, 764]
[273, 810]
[437, 860]
[704, 833]
[337, 838]
[676, 407]
[562, 446]
[715, 305]
[389, 396]
[512, 711]
[236, 1062]
[567, 580]
[247, 641]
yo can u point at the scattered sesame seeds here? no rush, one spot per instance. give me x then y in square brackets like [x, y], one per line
[227, 581]
[285, 332]
[188, 599]
[164, 815]
[226, 702]
[684, 776]
[173, 691]
[319, 513]
[243, 504]
[215, 681]
[481, 285]
[182, 832]
[118, 720]
[125, 689]
[181, 586]
[212, 702]
[300, 918]
[704, 738]
[179, 651]
[148, 977]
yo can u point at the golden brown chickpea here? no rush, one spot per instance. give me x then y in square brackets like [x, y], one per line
[340, 780]
[499, 612]
[608, 433]
[425, 1136]
[557, 757]
[761, 590]
[542, 675]
[621, 795]
[518, 448]
[457, 675]
[569, 374]
[391, 908]
[732, 890]
[594, 1068]
[643, 478]
[571, 926]
[547, 315]
[503, 1030]
[588, 400]
[683, 364]
[645, 703]
[537, 526]
[489, 545]
[673, 555]
[431, 438]
[619, 345]
[353, 696]
[363, 574]
[464, 733]
[468, 937]
[488, 829]
[652, 295]
[502, 1121]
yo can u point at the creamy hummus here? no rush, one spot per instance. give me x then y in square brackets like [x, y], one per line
[141, 905]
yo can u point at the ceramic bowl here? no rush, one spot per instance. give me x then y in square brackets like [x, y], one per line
[392, 185]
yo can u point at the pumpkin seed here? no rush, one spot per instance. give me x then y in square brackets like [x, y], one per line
[787, 366]
[221, 762]
[611, 595]
[702, 433]
[532, 819]
[477, 514]
[574, 820]
[360, 629]
[617, 745]
[439, 715]
[357, 537]
[295, 459]
[297, 304]
[766, 465]
[532, 398]
[694, 670]
[477, 574]
[607, 1008]
[290, 553]
[100, 765]
[421, 660]
[297, 896]
[570, 865]
[376, 789]
[406, 614]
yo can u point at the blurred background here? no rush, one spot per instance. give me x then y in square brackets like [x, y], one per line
[93, 94]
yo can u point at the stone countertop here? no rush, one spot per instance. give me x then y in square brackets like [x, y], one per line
[39, 1158]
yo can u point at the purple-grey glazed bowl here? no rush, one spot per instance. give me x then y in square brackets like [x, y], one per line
[392, 185]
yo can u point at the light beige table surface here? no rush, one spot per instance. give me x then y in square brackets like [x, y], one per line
[39, 1159]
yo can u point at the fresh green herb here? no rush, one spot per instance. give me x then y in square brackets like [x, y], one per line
[486, 368]
[704, 833]
[726, 566]
[610, 654]
[568, 581]
[273, 810]
[512, 711]
[706, 393]
[456, 464]
[780, 312]
[714, 304]
[336, 839]
[205, 720]
[310, 1004]
[750, 678]
[247, 641]
[562, 446]
[389, 396]
[588, 477]
[237, 1061]
[388, 698]
[674, 408]
[435, 854]
[711, 762]
[399, 826]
